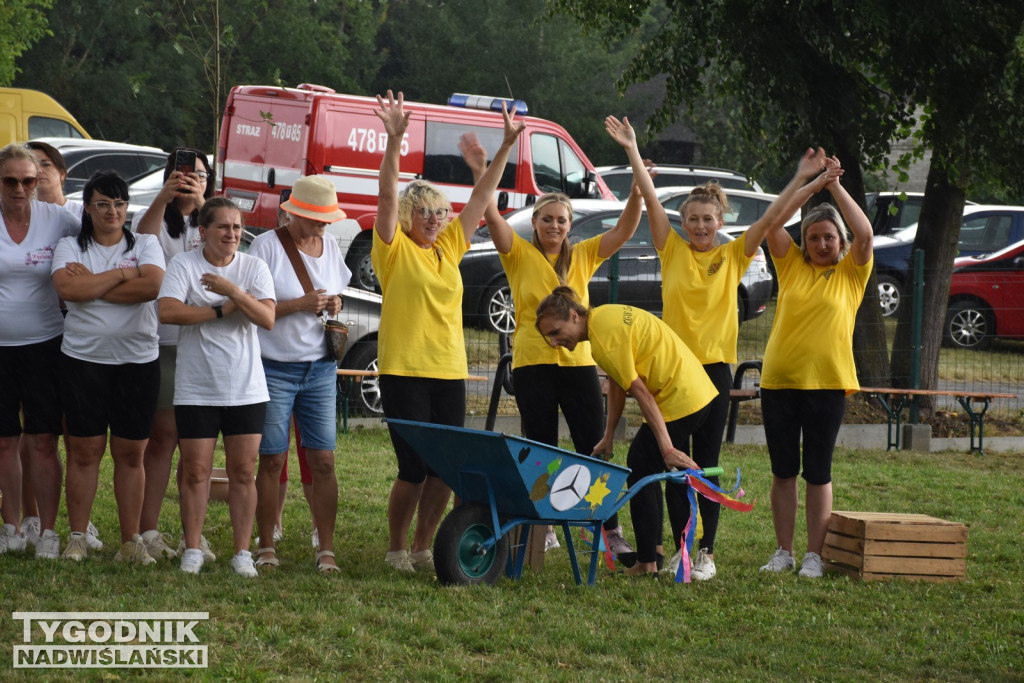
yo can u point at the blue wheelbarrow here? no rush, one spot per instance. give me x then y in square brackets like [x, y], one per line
[506, 482]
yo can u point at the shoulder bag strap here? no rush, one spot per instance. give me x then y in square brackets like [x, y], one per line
[293, 255]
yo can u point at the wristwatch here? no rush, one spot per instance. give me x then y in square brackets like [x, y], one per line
[219, 311]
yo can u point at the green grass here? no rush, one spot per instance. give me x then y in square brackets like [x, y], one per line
[368, 624]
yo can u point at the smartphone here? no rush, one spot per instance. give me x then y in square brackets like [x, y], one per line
[185, 161]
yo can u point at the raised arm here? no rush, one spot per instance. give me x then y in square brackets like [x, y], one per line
[623, 133]
[483, 190]
[863, 236]
[476, 158]
[813, 173]
[396, 122]
[625, 227]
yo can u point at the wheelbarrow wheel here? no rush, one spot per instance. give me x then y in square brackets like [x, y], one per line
[458, 557]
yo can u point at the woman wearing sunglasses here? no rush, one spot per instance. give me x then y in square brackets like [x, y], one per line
[30, 337]
[110, 373]
[422, 354]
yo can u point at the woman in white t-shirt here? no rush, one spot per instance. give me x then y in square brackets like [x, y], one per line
[218, 297]
[174, 218]
[108, 277]
[30, 333]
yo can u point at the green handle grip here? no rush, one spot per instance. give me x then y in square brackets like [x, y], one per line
[712, 471]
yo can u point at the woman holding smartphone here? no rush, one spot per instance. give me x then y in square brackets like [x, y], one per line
[174, 218]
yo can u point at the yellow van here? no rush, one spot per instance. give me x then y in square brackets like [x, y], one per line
[29, 114]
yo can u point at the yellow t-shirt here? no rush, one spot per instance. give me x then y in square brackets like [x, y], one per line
[532, 277]
[699, 295]
[811, 342]
[421, 315]
[629, 343]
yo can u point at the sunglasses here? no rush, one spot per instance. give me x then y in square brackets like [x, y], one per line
[426, 213]
[27, 183]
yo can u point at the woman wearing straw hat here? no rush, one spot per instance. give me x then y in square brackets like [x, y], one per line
[300, 378]
[416, 254]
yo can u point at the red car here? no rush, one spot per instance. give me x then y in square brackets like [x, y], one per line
[986, 299]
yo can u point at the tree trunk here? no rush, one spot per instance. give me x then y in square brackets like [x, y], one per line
[937, 235]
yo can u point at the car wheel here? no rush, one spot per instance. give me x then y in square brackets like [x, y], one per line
[969, 325]
[889, 295]
[359, 262]
[364, 395]
[499, 309]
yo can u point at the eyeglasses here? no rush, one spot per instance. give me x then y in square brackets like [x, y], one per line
[27, 183]
[202, 175]
[117, 205]
[426, 213]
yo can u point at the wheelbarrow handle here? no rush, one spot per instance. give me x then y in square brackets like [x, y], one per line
[711, 472]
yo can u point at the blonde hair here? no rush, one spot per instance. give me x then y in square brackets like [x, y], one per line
[708, 193]
[825, 212]
[423, 194]
[559, 304]
[564, 259]
[17, 152]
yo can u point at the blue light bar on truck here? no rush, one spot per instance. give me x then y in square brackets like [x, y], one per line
[487, 103]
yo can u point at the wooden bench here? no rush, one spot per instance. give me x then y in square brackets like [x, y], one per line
[894, 399]
[345, 379]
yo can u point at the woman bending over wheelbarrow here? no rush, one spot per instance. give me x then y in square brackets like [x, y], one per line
[644, 357]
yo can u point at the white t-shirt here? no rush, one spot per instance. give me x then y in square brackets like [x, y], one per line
[218, 360]
[75, 208]
[188, 241]
[298, 337]
[29, 307]
[100, 331]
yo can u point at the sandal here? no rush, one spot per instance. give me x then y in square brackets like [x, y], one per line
[263, 561]
[326, 568]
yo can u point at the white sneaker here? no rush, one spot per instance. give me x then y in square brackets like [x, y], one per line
[673, 565]
[11, 541]
[204, 545]
[278, 535]
[134, 552]
[192, 561]
[551, 541]
[48, 545]
[157, 545]
[243, 565]
[315, 539]
[781, 561]
[812, 567]
[92, 537]
[617, 543]
[703, 566]
[30, 528]
[399, 559]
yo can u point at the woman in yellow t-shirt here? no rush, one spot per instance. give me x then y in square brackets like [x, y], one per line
[644, 357]
[548, 379]
[808, 365]
[700, 275]
[421, 351]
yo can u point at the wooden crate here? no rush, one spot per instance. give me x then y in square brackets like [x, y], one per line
[881, 545]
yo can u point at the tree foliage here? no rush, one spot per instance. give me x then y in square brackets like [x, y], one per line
[22, 23]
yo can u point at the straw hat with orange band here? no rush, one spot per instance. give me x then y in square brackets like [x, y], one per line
[315, 198]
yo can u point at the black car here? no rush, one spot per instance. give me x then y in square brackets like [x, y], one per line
[487, 298]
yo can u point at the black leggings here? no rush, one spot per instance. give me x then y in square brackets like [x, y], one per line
[542, 389]
[644, 459]
[705, 446]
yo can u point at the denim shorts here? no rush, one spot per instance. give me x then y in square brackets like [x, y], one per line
[307, 389]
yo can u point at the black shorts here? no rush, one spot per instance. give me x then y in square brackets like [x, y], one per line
[423, 399]
[30, 382]
[206, 422]
[811, 415]
[119, 397]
